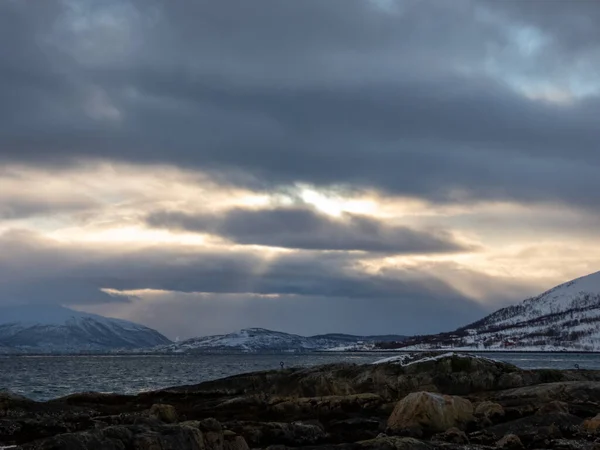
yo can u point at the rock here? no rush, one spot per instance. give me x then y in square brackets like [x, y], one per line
[263, 434]
[393, 443]
[554, 406]
[592, 425]
[453, 375]
[510, 442]
[232, 441]
[431, 413]
[213, 433]
[566, 391]
[309, 407]
[536, 428]
[120, 438]
[452, 435]
[489, 410]
[176, 438]
[165, 413]
[354, 429]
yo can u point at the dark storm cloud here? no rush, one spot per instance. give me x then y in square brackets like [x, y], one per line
[394, 97]
[36, 270]
[303, 228]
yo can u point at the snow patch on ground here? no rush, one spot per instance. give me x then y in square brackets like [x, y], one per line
[408, 359]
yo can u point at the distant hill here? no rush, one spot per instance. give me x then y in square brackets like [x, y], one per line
[54, 329]
[566, 317]
[260, 340]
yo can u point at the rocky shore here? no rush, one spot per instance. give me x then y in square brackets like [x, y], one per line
[451, 402]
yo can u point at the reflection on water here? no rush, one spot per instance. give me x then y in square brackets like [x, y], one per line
[43, 377]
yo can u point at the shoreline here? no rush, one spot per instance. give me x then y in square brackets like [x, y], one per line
[336, 406]
[321, 352]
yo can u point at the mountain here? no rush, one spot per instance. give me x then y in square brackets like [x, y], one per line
[260, 340]
[54, 329]
[351, 338]
[567, 317]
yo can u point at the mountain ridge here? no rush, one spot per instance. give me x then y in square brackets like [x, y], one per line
[262, 340]
[563, 318]
[56, 329]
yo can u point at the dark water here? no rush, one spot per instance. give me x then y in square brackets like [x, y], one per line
[46, 377]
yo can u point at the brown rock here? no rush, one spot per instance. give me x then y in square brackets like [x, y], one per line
[592, 425]
[510, 442]
[430, 412]
[166, 413]
[489, 410]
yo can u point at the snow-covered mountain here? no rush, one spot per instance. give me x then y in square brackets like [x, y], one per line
[567, 317]
[260, 340]
[54, 329]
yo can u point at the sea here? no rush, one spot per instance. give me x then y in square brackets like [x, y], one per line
[47, 377]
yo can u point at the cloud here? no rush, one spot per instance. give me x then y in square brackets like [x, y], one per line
[114, 109]
[418, 99]
[38, 270]
[188, 315]
[303, 228]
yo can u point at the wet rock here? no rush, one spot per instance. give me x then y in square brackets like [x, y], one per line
[510, 442]
[431, 413]
[164, 413]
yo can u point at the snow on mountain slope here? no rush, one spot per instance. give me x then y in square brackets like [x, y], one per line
[566, 317]
[54, 329]
[260, 340]
[251, 340]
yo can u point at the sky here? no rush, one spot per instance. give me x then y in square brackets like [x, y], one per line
[357, 166]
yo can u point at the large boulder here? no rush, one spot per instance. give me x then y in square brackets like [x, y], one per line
[430, 413]
[489, 410]
[451, 374]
